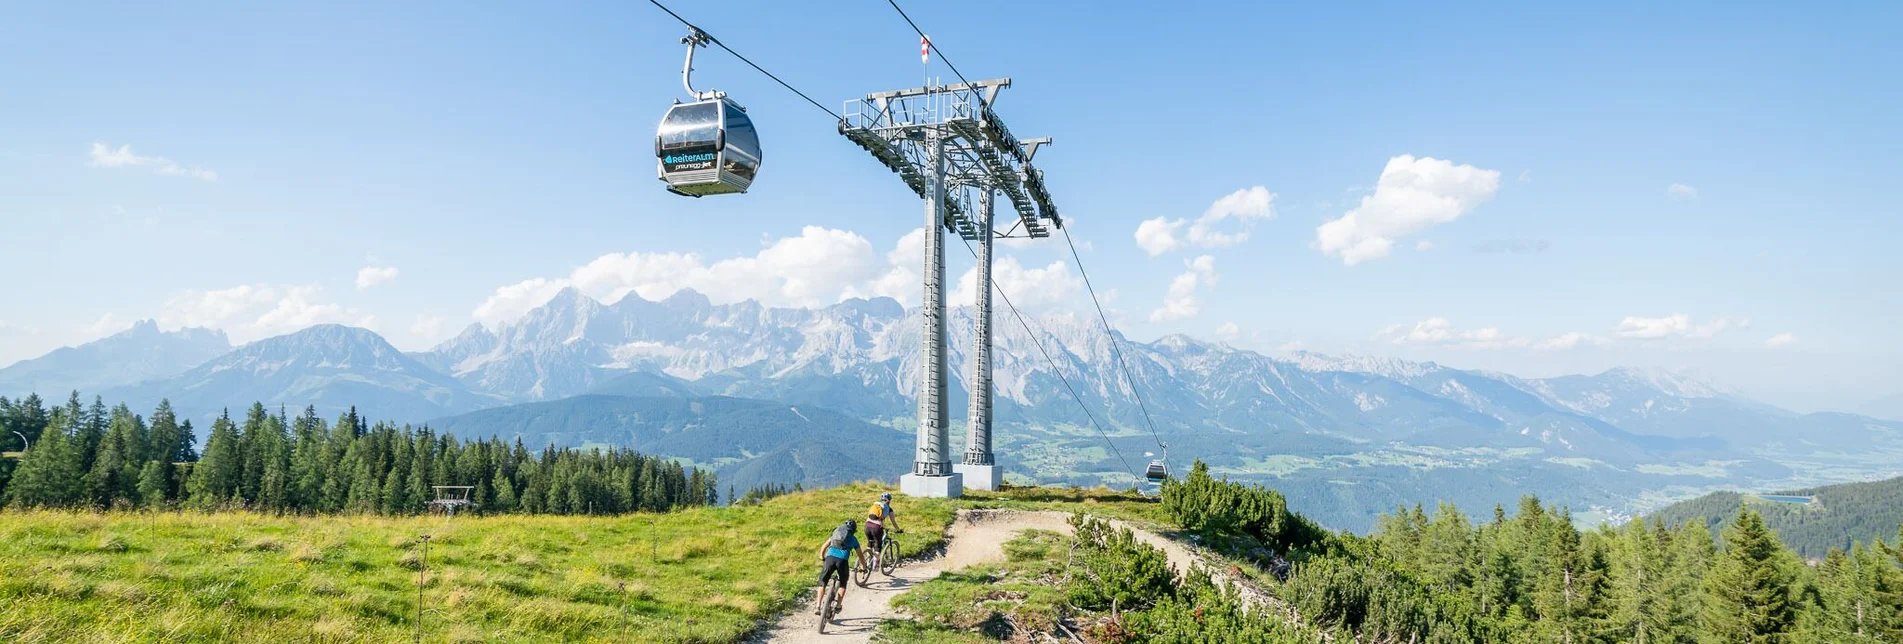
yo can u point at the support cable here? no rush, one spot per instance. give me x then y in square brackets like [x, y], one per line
[1114, 344]
[776, 79]
[1056, 370]
[935, 50]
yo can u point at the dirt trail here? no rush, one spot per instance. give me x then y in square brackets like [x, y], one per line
[975, 537]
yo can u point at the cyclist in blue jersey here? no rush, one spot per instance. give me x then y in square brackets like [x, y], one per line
[836, 559]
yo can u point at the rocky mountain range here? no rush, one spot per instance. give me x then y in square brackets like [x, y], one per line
[1301, 418]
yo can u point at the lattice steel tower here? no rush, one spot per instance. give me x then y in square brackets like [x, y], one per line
[950, 148]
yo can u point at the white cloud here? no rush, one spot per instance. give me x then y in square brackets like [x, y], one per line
[1779, 340]
[1245, 206]
[108, 324]
[251, 311]
[1680, 192]
[1423, 245]
[1228, 332]
[820, 266]
[430, 329]
[1158, 236]
[1411, 195]
[369, 276]
[513, 301]
[1674, 325]
[1179, 302]
[1031, 289]
[106, 156]
[9, 328]
[1439, 331]
[1526, 176]
[297, 310]
[1570, 340]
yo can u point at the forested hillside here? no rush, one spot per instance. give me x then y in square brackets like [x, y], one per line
[91, 457]
[1525, 576]
[1837, 516]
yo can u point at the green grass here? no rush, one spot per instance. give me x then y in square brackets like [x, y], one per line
[1103, 501]
[702, 575]
[1008, 600]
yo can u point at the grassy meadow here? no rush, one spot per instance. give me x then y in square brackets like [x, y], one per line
[700, 575]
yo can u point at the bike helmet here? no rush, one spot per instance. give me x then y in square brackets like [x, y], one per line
[851, 526]
[885, 497]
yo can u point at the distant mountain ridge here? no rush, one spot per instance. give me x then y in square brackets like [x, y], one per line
[331, 367]
[134, 355]
[1352, 433]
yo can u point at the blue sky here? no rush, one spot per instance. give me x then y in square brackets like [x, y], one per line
[276, 152]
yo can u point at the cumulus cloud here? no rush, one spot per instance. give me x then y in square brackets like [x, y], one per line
[1674, 325]
[818, 267]
[1179, 302]
[1031, 289]
[1228, 332]
[369, 276]
[1412, 195]
[1570, 340]
[1439, 331]
[1242, 208]
[108, 324]
[1779, 340]
[1680, 192]
[251, 311]
[430, 329]
[106, 156]
[9, 328]
[1158, 236]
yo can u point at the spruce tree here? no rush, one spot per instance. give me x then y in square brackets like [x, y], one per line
[1748, 595]
[154, 484]
[48, 475]
[215, 478]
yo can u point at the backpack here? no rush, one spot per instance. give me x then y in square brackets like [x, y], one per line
[838, 540]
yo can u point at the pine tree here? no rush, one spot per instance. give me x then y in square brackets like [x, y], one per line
[505, 493]
[1572, 595]
[114, 477]
[92, 430]
[307, 470]
[215, 478]
[154, 484]
[274, 456]
[1748, 593]
[49, 473]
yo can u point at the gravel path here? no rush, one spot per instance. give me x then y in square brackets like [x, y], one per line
[975, 537]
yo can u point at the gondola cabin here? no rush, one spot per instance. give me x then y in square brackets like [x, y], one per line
[1156, 472]
[707, 147]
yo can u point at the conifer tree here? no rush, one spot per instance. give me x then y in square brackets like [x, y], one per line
[214, 480]
[154, 485]
[1748, 592]
[49, 473]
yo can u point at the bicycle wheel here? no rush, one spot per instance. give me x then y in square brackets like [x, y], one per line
[862, 572]
[826, 604]
[889, 556]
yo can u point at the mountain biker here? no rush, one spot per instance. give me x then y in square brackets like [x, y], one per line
[877, 516]
[835, 557]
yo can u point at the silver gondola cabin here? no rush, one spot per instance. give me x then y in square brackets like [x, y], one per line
[708, 146]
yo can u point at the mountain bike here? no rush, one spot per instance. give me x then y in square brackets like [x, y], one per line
[827, 606]
[889, 553]
[887, 556]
